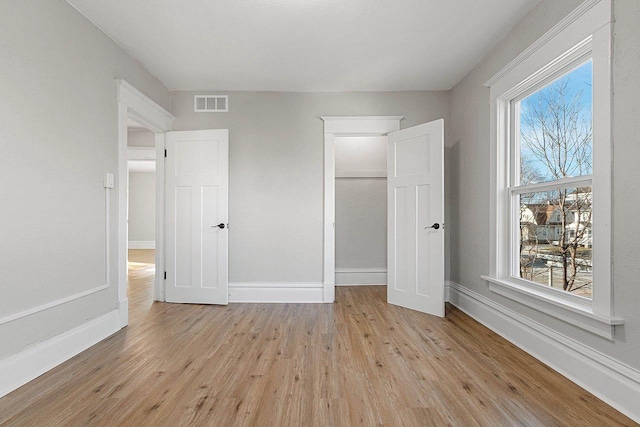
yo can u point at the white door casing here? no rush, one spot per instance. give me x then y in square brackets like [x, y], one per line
[415, 260]
[133, 104]
[196, 217]
[334, 127]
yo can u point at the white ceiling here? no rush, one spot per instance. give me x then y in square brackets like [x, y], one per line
[306, 45]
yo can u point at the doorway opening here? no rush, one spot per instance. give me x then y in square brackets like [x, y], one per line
[345, 138]
[360, 210]
[141, 217]
[412, 162]
[134, 106]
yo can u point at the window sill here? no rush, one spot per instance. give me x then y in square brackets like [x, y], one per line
[577, 314]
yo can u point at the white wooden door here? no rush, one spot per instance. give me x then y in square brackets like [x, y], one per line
[415, 258]
[196, 217]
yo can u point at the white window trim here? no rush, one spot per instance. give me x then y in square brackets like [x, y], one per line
[586, 31]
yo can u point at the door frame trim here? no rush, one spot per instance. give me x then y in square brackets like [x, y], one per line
[337, 126]
[135, 105]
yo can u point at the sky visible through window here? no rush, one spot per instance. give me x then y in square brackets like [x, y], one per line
[555, 128]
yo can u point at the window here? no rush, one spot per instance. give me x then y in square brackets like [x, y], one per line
[551, 182]
[551, 158]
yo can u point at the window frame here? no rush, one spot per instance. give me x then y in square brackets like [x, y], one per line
[584, 34]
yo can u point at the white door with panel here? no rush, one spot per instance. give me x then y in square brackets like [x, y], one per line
[196, 217]
[415, 255]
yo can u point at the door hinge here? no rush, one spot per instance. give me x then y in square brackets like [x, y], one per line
[165, 152]
[165, 275]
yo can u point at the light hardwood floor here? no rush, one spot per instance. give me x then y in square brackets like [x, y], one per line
[359, 361]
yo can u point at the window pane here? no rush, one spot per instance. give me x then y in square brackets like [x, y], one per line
[556, 129]
[556, 240]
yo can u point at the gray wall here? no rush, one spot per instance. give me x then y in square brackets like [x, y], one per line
[141, 138]
[276, 170]
[468, 173]
[142, 206]
[59, 136]
[361, 222]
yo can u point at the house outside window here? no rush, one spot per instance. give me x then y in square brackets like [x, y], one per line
[551, 158]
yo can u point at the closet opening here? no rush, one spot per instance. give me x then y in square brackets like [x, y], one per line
[360, 210]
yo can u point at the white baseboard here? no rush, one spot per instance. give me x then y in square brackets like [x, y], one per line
[360, 276]
[360, 284]
[123, 312]
[142, 244]
[276, 292]
[610, 380]
[19, 369]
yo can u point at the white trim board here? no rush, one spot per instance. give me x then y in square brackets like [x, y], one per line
[20, 368]
[360, 276]
[597, 324]
[142, 244]
[582, 9]
[141, 165]
[361, 174]
[145, 111]
[610, 380]
[342, 126]
[265, 292]
[141, 159]
[133, 104]
[346, 285]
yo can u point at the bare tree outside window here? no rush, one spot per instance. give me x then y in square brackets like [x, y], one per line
[556, 143]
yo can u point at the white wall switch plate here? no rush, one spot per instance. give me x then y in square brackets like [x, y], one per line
[108, 180]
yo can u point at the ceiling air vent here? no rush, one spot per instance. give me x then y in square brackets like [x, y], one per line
[211, 103]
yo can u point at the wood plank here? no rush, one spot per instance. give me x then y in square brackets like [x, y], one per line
[359, 361]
